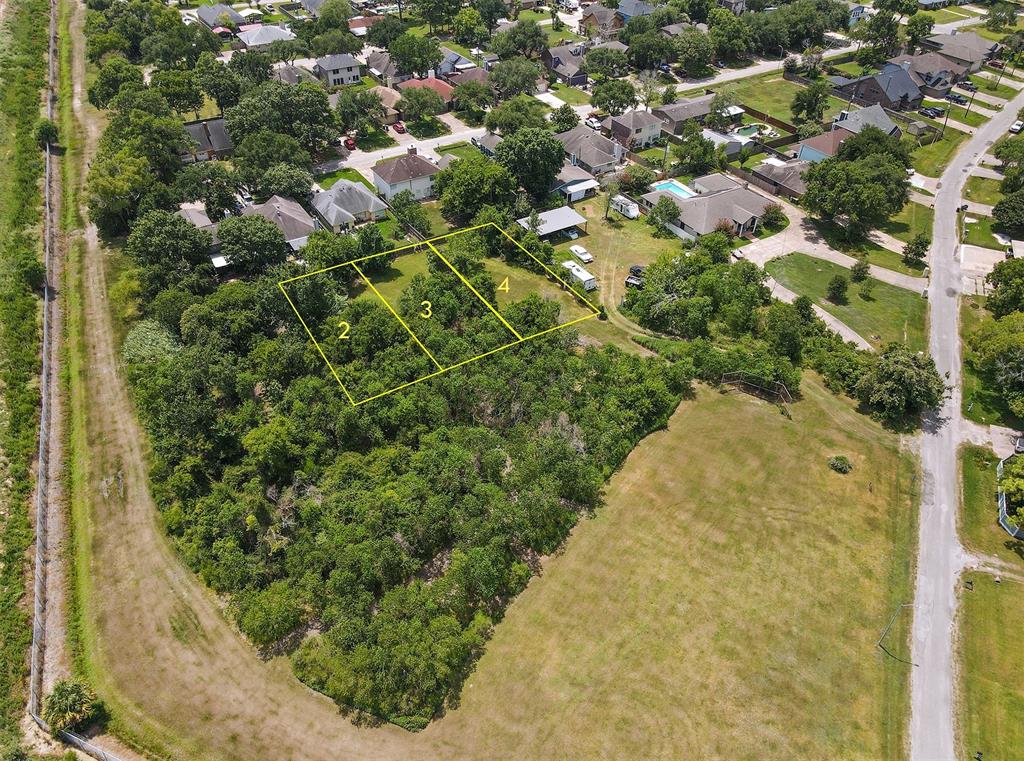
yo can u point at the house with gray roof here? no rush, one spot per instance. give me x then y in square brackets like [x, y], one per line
[215, 15]
[892, 88]
[261, 36]
[719, 199]
[555, 221]
[631, 8]
[575, 183]
[874, 116]
[453, 62]
[384, 69]
[784, 177]
[210, 140]
[590, 150]
[338, 69]
[932, 72]
[347, 204]
[965, 48]
[566, 63]
[409, 171]
[487, 143]
[674, 30]
[674, 115]
[598, 21]
[288, 216]
[634, 129]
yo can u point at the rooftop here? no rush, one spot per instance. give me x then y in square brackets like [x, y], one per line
[554, 220]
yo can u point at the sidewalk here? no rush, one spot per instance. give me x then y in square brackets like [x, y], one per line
[849, 334]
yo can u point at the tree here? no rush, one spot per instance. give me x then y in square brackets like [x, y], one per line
[46, 133]
[694, 153]
[179, 88]
[694, 52]
[251, 65]
[410, 212]
[533, 156]
[360, 110]
[490, 11]
[251, 243]
[116, 183]
[419, 104]
[70, 705]
[882, 31]
[669, 95]
[1000, 15]
[218, 81]
[605, 63]
[211, 182]
[860, 270]
[325, 249]
[329, 43]
[513, 77]
[564, 118]
[919, 27]
[526, 38]
[809, 103]
[615, 97]
[729, 35]
[873, 141]
[866, 191]
[264, 149]
[997, 352]
[916, 249]
[436, 13]
[649, 89]
[782, 328]
[664, 213]
[718, 117]
[115, 73]
[773, 216]
[1009, 211]
[473, 96]
[836, 290]
[515, 114]
[284, 180]
[270, 614]
[1007, 283]
[415, 54]
[648, 50]
[901, 383]
[636, 178]
[334, 13]
[386, 31]
[468, 27]
[812, 58]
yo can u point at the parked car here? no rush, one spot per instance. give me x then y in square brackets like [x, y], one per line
[960, 100]
[571, 234]
[637, 270]
[593, 122]
[967, 85]
[350, 143]
[1016, 127]
[931, 111]
[664, 68]
[581, 253]
[634, 282]
[399, 128]
[995, 64]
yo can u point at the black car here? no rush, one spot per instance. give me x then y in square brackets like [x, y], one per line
[637, 270]
[967, 85]
[958, 99]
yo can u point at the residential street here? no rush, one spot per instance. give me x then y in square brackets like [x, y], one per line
[941, 557]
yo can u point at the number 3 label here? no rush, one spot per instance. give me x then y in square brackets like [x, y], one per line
[426, 313]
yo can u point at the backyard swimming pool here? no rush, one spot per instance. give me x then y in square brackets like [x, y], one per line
[675, 187]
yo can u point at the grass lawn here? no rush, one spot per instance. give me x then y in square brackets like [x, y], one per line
[438, 224]
[396, 279]
[560, 38]
[983, 190]
[959, 114]
[891, 314]
[853, 69]
[327, 180]
[522, 283]
[946, 15]
[996, 36]
[570, 95]
[979, 527]
[990, 86]
[774, 95]
[913, 218]
[930, 160]
[644, 639]
[461, 149]
[981, 402]
[427, 128]
[655, 154]
[375, 140]
[835, 236]
[979, 232]
[992, 672]
[537, 16]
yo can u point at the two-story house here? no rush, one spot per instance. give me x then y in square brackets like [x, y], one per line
[338, 69]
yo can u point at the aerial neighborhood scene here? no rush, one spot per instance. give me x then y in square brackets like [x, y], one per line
[511, 379]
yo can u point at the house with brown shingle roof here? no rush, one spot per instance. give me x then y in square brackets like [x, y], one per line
[409, 171]
[439, 86]
[823, 146]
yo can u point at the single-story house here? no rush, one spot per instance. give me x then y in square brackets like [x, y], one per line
[384, 69]
[674, 30]
[289, 74]
[823, 146]
[575, 183]
[261, 36]
[932, 72]
[598, 21]
[873, 116]
[409, 171]
[732, 143]
[453, 62]
[219, 14]
[361, 25]
[674, 115]
[566, 63]
[312, 6]
[631, 8]
[785, 177]
[389, 98]
[590, 150]
[346, 204]
[337, 69]
[195, 212]
[210, 139]
[288, 216]
[965, 48]
[717, 198]
[555, 221]
[892, 88]
[634, 129]
[487, 143]
[475, 74]
[439, 86]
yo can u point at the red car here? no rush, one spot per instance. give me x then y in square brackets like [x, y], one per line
[399, 128]
[350, 143]
[996, 64]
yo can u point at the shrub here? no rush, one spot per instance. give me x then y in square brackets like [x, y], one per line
[840, 464]
[860, 270]
[70, 705]
[46, 133]
[773, 217]
[836, 291]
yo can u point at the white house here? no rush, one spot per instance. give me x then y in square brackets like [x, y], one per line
[406, 172]
[338, 69]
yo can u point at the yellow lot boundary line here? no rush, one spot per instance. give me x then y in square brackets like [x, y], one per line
[397, 316]
[441, 370]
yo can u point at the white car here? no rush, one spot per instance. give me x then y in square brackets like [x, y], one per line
[1016, 127]
[593, 122]
[582, 254]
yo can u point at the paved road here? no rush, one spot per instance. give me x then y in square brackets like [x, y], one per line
[941, 558]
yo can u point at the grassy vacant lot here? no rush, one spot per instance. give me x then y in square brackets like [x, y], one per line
[438, 224]
[914, 218]
[946, 15]
[461, 149]
[930, 160]
[327, 180]
[773, 95]
[991, 672]
[891, 314]
[390, 284]
[570, 95]
[980, 231]
[997, 35]
[835, 236]
[983, 190]
[980, 403]
[990, 86]
[979, 528]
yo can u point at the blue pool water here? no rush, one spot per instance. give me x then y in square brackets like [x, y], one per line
[675, 187]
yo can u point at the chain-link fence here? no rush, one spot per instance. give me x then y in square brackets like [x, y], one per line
[1004, 517]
